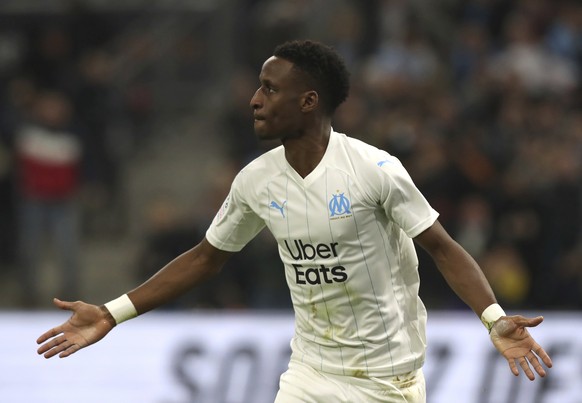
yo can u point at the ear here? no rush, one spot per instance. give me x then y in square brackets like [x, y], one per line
[309, 101]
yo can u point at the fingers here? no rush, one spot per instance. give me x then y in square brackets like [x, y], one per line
[64, 305]
[524, 363]
[513, 367]
[527, 322]
[543, 355]
[72, 349]
[55, 331]
[59, 345]
[526, 369]
[524, 366]
[536, 364]
[55, 341]
[54, 346]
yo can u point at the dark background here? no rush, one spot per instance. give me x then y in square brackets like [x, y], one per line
[480, 99]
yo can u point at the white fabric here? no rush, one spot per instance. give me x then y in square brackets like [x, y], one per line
[121, 309]
[49, 147]
[344, 234]
[302, 384]
[491, 314]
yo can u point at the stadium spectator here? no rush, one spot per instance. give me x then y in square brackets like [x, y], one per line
[49, 153]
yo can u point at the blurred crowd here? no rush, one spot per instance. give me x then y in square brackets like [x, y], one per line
[480, 99]
[66, 126]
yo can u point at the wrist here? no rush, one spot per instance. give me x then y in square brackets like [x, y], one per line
[108, 317]
[491, 314]
[120, 309]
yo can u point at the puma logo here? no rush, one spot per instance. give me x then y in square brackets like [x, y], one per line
[280, 208]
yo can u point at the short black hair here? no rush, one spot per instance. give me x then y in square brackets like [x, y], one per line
[323, 65]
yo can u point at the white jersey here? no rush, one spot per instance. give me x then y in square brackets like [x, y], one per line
[344, 234]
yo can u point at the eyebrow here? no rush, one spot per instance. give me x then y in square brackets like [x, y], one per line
[266, 81]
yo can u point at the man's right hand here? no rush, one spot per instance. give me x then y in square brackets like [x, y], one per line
[87, 325]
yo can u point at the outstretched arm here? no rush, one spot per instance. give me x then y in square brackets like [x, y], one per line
[180, 275]
[509, 333]
[90, 323]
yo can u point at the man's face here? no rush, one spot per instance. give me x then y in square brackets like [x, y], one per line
[277, 103]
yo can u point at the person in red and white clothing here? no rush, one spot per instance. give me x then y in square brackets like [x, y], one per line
[49, 156]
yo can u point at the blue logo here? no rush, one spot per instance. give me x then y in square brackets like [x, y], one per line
[339, 205]
[280, 208]
[381, 163]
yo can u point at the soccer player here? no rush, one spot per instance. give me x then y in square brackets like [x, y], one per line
[345, 216]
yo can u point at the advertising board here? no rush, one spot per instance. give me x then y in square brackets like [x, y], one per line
[167, 357]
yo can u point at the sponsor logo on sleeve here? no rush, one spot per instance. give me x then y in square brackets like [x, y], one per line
[223, 209]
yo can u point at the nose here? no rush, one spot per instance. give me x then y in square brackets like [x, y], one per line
[255, 100]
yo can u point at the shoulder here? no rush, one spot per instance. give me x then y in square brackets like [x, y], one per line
[255, 171]
[365, 156]
[375, 170]
[267, 159]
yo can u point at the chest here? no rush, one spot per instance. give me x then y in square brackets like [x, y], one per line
[323, 210]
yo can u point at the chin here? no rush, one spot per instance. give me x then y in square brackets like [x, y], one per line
[263, 135]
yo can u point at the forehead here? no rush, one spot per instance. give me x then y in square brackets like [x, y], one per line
[277, 70]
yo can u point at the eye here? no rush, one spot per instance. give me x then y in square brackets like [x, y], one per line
[267, 89]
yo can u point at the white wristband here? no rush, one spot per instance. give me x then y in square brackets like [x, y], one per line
[121, 309]
[491, 314]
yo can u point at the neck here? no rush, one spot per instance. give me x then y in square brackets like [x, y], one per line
[305, 152]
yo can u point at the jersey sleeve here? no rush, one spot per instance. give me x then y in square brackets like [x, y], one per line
[402, 201]
[235, 224]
